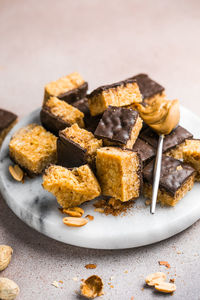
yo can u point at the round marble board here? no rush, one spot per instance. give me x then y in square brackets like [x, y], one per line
[39, 209]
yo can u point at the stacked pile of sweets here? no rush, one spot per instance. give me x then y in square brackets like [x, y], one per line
[97, 144]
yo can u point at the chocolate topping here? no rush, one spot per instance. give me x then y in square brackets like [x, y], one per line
[75, 94]
[102, 88]
[91, 122]
[116, 124]
[6, 118]
[51, 122]
[176, 137]
[144, 126]
[145, 150]
[69, 153]
[82, 105]
[147, 86]
[173, 174]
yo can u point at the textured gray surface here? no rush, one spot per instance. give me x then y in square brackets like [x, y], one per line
[104, 41]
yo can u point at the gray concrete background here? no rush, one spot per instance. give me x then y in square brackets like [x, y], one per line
[105, 41]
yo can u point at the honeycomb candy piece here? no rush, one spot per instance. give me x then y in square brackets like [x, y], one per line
[173, 142]
[57, 115]
[69, 88]
[71, 187]
[191, 155]
[176, 180]
[77, 146]
[33, 148]
[150, 89]
[118, 94]
[119, 126]
[119, 173]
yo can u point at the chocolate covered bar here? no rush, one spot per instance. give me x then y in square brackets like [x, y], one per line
[90, 122]
[117, 94]
[176, 179]
[119, 126]
[76, 146]
[119, 173]
[149, 88]
[33, 148]
[57, 115]
[144, 127]
[69, 88]
[176, 152]
[146, 151]
[7, 121]
[83, 106]
[71, 187]
[173, 141]
[191, 155]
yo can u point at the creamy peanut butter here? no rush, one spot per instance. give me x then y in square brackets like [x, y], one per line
[162, 115]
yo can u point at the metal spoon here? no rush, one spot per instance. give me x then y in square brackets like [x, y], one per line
[156, 173]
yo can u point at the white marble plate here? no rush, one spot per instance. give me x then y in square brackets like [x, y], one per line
[39, 209]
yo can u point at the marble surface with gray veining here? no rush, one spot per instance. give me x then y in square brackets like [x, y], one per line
[39, 209]
[105, 41]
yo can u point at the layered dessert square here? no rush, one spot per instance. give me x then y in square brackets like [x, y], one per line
[119, 173]
[69, 88]
[176, 179]
[119, 126]
[117, 94]
[191, 155]
[71, 187]
[149, 88]
[146, 151]
[57, 115]
[7, 121]
[76, 146]
[33, 148]
[173, 142]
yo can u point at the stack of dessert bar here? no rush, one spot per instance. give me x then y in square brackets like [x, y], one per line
[97, 144]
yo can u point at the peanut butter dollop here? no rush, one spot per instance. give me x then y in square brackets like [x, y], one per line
[162, 115]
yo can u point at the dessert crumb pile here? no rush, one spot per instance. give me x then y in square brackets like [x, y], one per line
[113, 207]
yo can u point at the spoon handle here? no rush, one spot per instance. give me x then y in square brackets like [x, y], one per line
[156, 173]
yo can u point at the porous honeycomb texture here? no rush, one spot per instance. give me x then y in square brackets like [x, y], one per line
[85, 139]
[33, 148]
[71, 187]
[191, 155]
[176, 152]
[63, 85]
[118, 173]
[164, 197]
[118, 96]
[66, 112]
